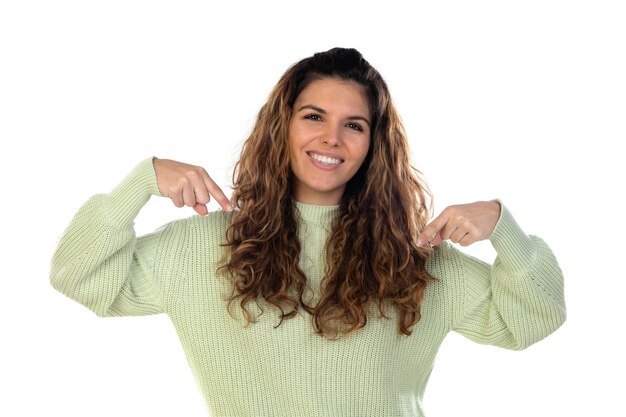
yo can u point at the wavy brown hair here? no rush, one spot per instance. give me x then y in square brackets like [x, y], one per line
[372, 255]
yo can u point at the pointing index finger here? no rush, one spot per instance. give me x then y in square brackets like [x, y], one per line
[431, 230]
[218, 194]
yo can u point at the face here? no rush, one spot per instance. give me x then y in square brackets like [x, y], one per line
[329, 136]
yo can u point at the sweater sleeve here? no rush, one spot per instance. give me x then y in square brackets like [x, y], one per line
[99, 262]
[518, 300]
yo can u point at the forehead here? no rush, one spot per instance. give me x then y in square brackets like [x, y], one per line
[334, 92]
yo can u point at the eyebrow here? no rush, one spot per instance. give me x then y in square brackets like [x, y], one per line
[321, 110]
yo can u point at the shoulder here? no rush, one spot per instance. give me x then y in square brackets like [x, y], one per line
[446, 265]
[446, 294]
[459, 277]
[454, 269]
[445, 261]
[201, 232]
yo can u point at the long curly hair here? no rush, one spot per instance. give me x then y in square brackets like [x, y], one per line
[371, 254]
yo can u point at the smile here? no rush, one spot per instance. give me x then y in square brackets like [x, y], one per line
[326, 160]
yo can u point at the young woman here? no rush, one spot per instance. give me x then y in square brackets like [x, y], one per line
[321, 289]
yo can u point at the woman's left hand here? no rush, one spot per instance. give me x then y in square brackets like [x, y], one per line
[463, 224]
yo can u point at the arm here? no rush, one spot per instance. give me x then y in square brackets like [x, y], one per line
[99, 262]
[519, 299]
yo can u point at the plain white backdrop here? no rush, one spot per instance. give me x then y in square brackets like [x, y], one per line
[524, 101]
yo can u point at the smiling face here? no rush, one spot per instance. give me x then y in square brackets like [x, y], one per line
[329, 136]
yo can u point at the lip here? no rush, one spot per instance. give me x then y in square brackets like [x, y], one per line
[323, 166]
[326, 154]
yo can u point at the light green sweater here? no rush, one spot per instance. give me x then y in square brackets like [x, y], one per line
[289, 371]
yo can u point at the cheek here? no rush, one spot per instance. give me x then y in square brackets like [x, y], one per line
[294, 139]
[362, 150]
[292, 143]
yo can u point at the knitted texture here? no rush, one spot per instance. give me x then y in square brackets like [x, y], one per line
[259, 370]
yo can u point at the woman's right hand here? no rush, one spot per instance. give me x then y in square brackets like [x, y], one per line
[188, 185]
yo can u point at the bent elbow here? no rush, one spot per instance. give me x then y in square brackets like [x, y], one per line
[63, 280]
[541, 328]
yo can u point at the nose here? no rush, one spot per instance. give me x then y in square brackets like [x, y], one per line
[332, 136]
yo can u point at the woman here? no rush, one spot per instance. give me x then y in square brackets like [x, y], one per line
[322, 290]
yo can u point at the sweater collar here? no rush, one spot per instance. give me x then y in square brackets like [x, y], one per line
[322, 215]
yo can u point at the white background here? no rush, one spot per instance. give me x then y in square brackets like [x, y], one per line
[524, 101]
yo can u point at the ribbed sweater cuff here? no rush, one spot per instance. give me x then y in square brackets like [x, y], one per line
[127, 199]
[514, 247]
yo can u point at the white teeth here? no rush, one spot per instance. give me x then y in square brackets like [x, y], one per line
[325, 159]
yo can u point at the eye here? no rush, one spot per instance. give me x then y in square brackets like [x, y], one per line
[355, 126]
[313, 116]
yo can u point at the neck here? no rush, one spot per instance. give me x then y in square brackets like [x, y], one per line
[307, 196]
[317, 214]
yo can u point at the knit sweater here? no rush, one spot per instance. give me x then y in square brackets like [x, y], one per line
[286, 371]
